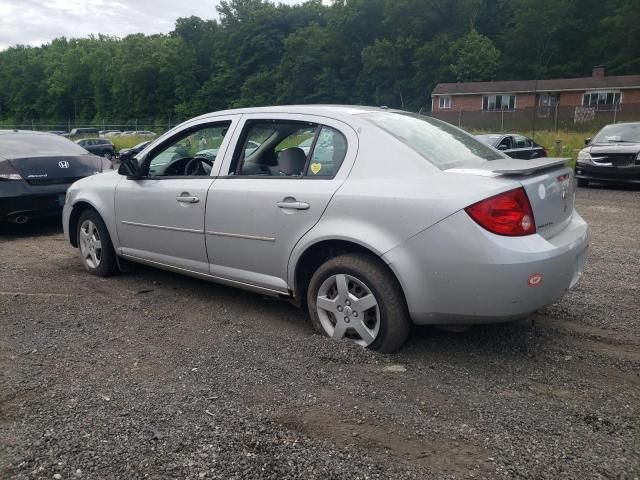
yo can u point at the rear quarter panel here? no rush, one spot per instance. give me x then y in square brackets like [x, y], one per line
[392, 194]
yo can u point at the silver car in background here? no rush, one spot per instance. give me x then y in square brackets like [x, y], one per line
[374, 219]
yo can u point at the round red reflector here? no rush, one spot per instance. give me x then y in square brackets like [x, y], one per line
[535, 280]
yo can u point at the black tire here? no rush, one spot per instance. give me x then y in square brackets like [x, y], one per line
[395, 323]
[107, 265]
[107, 154]
[582, 183]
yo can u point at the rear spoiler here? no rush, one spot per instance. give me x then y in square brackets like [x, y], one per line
[512, 166]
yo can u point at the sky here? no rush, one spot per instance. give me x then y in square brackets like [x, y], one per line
[34, 22]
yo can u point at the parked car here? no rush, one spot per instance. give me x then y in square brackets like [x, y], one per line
[612, 156]
[59, 132]
[98, 146]
[408, 220]
[144, 133]
[83, 131]
[133, 151]
[514, 145]
[108, 133]
[35, 171]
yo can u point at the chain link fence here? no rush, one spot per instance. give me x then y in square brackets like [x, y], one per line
[554, 118]
[67, 126]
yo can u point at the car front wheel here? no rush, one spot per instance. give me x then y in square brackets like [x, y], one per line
[355, 297]
[108, 155]
[94, 243]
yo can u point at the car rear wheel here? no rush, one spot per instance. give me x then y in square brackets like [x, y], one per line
[355, 297]
[108, 155]
[96, 249]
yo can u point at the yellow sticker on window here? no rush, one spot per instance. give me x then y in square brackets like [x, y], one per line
[315, 168]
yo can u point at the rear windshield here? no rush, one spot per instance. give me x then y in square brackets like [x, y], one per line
[24, 145]
[489, 139]
[441, 144]
[620, 133]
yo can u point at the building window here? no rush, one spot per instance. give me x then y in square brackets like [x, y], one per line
[602, 100]
[445, 102]
[548, 99]
[496, 103]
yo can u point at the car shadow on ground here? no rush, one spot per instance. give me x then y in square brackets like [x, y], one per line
[519, 339]
[34, 228]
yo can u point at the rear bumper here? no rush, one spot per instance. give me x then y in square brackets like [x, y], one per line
[19, 199]
[457, 273]
[608, 174]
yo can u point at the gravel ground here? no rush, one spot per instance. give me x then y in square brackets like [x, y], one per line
[154, 375]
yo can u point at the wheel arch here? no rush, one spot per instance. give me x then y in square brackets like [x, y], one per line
[78, 208]
[315, 254]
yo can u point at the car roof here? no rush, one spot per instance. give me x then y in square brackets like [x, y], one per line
[23, 132]
[318, 109]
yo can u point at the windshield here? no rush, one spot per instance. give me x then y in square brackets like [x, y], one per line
[441, 144]
[620, 133]
[22, 145]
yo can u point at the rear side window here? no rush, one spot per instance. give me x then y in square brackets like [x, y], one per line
[25, 145]
[328, 153]
[443, 145]
[286, 148]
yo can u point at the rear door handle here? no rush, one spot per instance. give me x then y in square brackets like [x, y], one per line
[187, 198]
[295, 205]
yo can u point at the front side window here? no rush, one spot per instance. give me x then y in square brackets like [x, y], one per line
[505, 144]
[496, 103]
[441, 144]
[191, 153]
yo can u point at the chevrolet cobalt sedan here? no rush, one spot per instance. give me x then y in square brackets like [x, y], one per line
[373, 219]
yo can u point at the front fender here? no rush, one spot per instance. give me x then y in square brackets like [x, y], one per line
[97, 192]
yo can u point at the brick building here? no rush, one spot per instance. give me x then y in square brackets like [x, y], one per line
[598, 92]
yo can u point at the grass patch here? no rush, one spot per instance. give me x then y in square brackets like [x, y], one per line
[129, 141]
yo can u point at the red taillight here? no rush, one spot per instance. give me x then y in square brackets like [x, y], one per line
[508, 213]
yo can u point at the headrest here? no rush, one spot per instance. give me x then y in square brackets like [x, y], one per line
[292, 161]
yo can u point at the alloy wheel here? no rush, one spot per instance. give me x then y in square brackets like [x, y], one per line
[90, 244]
[347, 308]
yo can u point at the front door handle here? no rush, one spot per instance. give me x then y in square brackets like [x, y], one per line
[293, 205]
[186, 198]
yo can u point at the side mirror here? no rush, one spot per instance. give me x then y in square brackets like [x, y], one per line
[502, 147]
[129, 167]
[587, 141]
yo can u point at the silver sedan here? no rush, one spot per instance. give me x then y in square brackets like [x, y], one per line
[373, 219]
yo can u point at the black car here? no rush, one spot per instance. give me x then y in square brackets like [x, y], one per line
[133, 151]
[514, 145]
[612, 156]
[98, 146]
[35, 171]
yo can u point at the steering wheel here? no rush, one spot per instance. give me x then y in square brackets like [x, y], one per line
[194, 166]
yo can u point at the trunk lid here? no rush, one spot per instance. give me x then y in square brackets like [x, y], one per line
[56, 170]
[549, 185]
